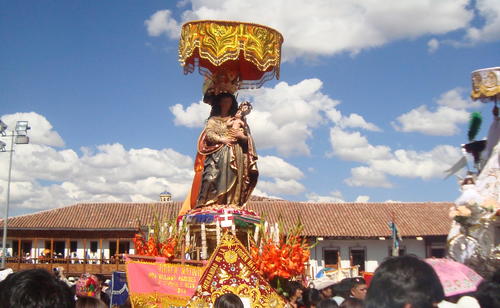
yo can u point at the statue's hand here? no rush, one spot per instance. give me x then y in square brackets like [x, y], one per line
[228, 141]
[237, 134]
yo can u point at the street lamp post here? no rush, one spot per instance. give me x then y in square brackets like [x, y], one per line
[21, 138]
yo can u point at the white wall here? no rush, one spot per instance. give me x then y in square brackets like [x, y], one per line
[376, 251]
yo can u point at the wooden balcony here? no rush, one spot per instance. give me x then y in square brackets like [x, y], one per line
[72, 266]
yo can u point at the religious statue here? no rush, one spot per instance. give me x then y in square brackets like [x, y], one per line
[229, 158]
[231, 56]
[226, 162]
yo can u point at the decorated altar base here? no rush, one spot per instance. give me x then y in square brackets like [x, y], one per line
[232, 270]
[157, 284]
[205, 227]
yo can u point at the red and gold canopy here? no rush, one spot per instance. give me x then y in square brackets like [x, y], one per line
[249, 52]
[486, 84]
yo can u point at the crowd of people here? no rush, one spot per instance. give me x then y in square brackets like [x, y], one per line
[399, 282]
[39, 288]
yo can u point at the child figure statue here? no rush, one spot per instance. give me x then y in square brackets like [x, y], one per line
[237, 123]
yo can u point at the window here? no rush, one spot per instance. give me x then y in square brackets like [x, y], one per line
[438, 252]
[59, 247]
[331, 257]
[112, 248]
[15, 248]
[73, 246]
[93, 246]
[357, 255]
[124, 247]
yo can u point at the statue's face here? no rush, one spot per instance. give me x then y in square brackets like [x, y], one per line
[225, 105]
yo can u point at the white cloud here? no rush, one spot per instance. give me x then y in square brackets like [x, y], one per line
[281, 187]
[41, 131]
[45, 177]
[382, 161]
[275, 167]
[444, 121]
[362, 199]
[283, 117]
[355, 120]
[194, 115]
[367, 177]
[161, 22]
[456, 98]
[334, 196]
[418, 164]
[355, 147]
[433, 45]
[489, 12]
[328, 27]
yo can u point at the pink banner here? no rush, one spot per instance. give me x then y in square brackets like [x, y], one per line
[161, 284]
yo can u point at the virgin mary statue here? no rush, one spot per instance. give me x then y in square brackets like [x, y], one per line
[225, 167]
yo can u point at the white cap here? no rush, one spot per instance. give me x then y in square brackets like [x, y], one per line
[321, 284]
[468, 302]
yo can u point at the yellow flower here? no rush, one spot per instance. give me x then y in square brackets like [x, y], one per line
[490, 205]
[463, 211]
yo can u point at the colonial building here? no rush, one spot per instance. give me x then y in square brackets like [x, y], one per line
[91, 236]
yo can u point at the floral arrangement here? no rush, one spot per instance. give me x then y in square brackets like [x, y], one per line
[87, 285]
[160, 240]
[469, 213]
[460, 213]
[278, 255]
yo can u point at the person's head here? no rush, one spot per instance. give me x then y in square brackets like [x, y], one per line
[89, 302]
[243, 110]
[352, 302]
[101, 279]
[327, 303]
[224, 104]
[358, 288]
[311, 297]
[343, 288]
[404, 282]
[488, 292]
[294, 289]
[228, 300]
[326, 292]
[36, 288]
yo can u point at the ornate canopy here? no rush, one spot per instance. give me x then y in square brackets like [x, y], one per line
[249, 52]
[486, 84]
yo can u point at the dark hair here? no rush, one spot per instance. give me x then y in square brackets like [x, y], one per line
[327, 303]
[488, 292]
[354, 282]
[352, 302]
[216, 104]
[343, 288]
[311, 297]
[36, 288]
[357, 281]
[228, 300]
[292, 287]
[90, 302]
[404, 280]
[101, 278]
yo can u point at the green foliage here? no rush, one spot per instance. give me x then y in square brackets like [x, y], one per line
[474, 125]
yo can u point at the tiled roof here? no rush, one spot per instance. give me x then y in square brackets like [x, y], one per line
[353, 220]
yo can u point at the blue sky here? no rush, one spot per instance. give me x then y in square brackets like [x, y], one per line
[99, 81]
